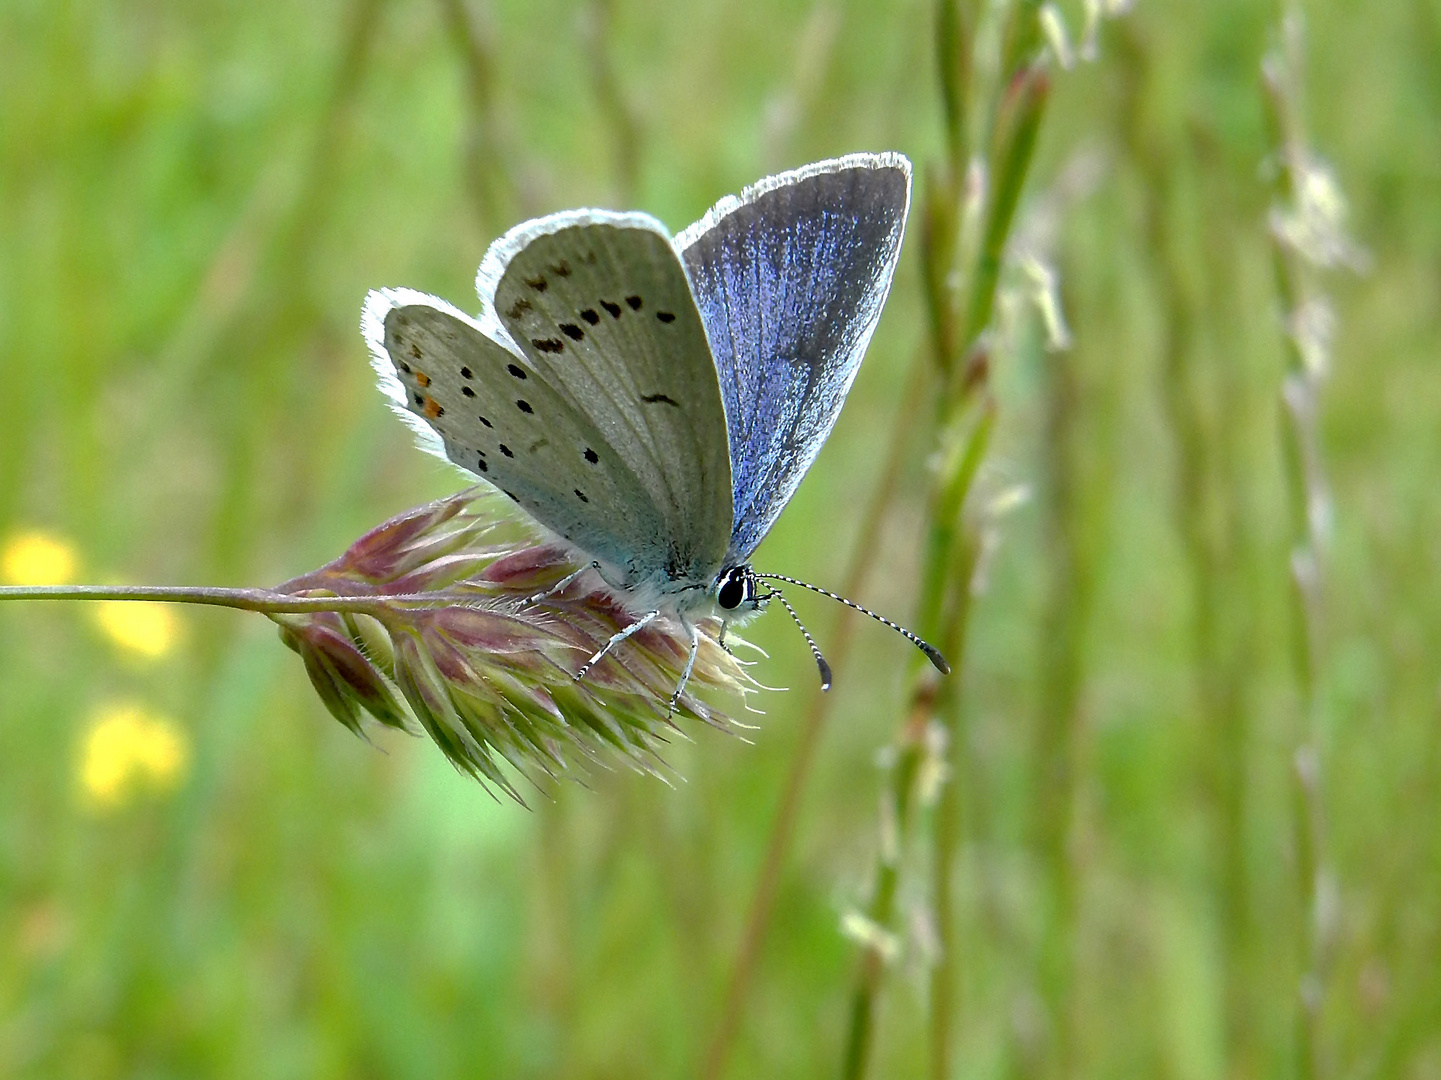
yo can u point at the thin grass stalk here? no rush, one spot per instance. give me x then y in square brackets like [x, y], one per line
[879, 943]
[252, 293]
[263, 601]
[964, 418]
[804, 101]
[615, 107]
[1057, 738]
[954, 62]
[1021, 39]
[950, 557]
[948, 831]
[1296, 228]
[1023, 105]
[1220, 674]
[1239, 571]
[945, 591]
[490, 156]
[258, 358]
[838, 647]
[956, 543]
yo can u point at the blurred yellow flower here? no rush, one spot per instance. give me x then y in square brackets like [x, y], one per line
[147, 629]
[128, 748]
[37, 558]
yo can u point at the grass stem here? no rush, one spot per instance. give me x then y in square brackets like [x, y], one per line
[1295, 221]
[758, 914]
[264, 601]
[964, 419]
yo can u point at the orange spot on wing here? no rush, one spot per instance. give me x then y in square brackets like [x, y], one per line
[422, 378]
[431, 408]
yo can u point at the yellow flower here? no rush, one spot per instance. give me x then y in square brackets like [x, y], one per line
[147, 629]
[128, 748]
[37, 558]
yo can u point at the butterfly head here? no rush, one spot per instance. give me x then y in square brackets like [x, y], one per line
[738, 589]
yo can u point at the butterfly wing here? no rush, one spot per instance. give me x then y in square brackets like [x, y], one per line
[477, 403]
[790, 279]
[601, 307]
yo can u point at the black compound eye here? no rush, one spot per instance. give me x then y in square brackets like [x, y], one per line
[732, 592]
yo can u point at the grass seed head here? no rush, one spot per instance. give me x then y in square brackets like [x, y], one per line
[488, 677]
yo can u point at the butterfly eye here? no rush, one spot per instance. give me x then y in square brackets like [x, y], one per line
[732, 592]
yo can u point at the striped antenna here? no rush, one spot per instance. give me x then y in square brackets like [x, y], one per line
[815, 649]
[932, 653]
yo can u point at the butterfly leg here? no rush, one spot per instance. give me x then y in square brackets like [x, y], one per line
[640, 624]
[694, 635]
[721, 638]
[561, 585]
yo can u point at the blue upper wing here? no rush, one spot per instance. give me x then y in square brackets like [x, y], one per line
[790, 279]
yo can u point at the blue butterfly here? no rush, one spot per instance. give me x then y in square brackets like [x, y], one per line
[655, 400]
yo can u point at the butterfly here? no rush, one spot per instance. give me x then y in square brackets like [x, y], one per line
[655, 400]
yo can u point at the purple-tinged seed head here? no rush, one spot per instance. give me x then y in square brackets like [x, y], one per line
[490, 678]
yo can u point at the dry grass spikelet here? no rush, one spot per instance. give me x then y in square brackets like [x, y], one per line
[489, 677]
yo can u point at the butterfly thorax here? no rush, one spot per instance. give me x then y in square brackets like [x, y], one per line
[730, 594]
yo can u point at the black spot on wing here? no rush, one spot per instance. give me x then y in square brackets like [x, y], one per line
[665, 316]
[466, 373]
[561, 269]
[581, 495]
[591, 456]
[467, 391]
[659, 399]
[516, 370]
[537, 283]
[572, 331]
[481, 465]
[591, 316]
[634, 302]
[548, 345]
[484, 421]
[613, 309]
[517, 308]
[506, 450]
[524, 406]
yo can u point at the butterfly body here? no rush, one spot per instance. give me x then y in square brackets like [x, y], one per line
[654, 401]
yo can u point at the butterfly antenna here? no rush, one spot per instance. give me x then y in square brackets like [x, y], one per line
[933, 654]
[815, 649]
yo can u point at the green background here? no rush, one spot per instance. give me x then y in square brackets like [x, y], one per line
[194, 198]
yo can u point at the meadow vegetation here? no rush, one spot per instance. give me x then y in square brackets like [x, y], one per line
[1145, 441]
